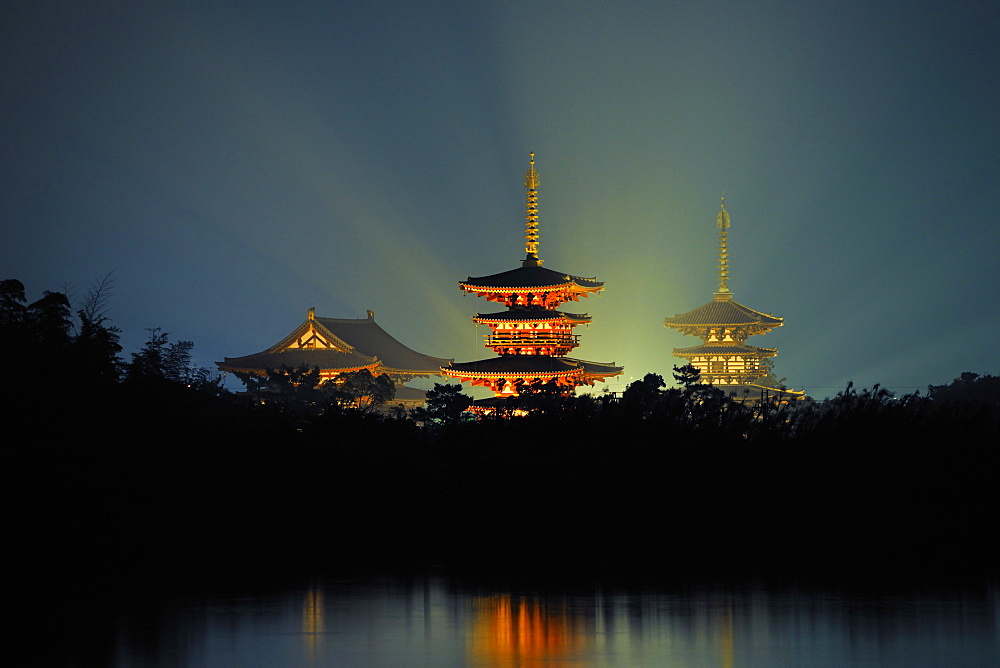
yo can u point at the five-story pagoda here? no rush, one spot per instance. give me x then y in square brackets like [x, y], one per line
[531, 337]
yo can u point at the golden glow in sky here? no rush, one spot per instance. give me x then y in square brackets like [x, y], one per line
[236, 166]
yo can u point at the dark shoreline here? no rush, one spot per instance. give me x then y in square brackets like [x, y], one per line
[202, 487]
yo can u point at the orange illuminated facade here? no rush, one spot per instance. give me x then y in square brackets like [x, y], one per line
[724, 359]
[531, 338]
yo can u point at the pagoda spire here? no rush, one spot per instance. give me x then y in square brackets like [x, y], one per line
[722, 222]
[531, 183]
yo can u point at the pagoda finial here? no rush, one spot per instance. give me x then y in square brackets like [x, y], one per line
[722, 221]
[531, 183]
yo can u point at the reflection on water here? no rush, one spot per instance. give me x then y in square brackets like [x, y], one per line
[507, 631]
[434, 621]
[312, 621]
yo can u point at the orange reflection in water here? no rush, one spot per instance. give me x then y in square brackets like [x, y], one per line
[312, 621]
[508, 632]
[726, 637]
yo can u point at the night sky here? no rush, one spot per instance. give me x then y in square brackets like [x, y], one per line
[237, 163]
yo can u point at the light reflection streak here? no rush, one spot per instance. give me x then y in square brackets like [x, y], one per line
[312, 621]
[509, 631]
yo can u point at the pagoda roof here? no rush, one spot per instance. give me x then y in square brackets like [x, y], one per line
[724, 310]
[337, 345]
[725, 348]
[507, 366]
[531, 315]
[600, 368]
[530, 277]
[515, 365]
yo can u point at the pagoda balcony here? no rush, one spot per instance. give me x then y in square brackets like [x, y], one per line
[731, 378]
[531, 351]
[532, 339]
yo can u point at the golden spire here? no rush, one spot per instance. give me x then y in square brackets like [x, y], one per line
[722, 221]
[531, 183]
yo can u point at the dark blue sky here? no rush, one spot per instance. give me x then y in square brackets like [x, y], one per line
[236, 164]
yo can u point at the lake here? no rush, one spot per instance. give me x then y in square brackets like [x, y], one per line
[436, 620]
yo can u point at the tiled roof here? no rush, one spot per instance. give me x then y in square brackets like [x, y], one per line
[406, 394]
[724, 312]
[515, 364]
[367, 346]
[531, 315]
[324, 358]
[366, 336]
[727, 348]
[532, 277]
[600, 368]
[531, 365]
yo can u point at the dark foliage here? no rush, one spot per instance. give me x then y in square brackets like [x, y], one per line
[663, 481]
[969, 387]
[45, 354]
[445, 405]
[302, 392]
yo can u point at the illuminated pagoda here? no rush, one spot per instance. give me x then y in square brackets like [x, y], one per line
[724, 358]
[343, 345]
[531, 337]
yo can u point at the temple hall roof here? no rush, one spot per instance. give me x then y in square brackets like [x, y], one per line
[326, 359]
[409, 396]
[338, 344]
[367, 337]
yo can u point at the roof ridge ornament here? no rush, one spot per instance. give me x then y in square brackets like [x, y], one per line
[722, 222]
[531, 183]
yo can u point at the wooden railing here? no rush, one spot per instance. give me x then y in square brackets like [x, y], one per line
[532, 339]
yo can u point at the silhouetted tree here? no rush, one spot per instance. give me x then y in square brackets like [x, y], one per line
[298, 385]
[538, 396]
[160, 359]
[642, 398]
[35, 339]
[13, 312]
[254, 383]
[687, 376]
[50, 321]
[362, 390]
[97, 342]
[14, 340]
[305, 389]
[769, 379]
[445, 405]
[968, 387]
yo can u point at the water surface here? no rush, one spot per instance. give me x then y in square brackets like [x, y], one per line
[436, 621]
